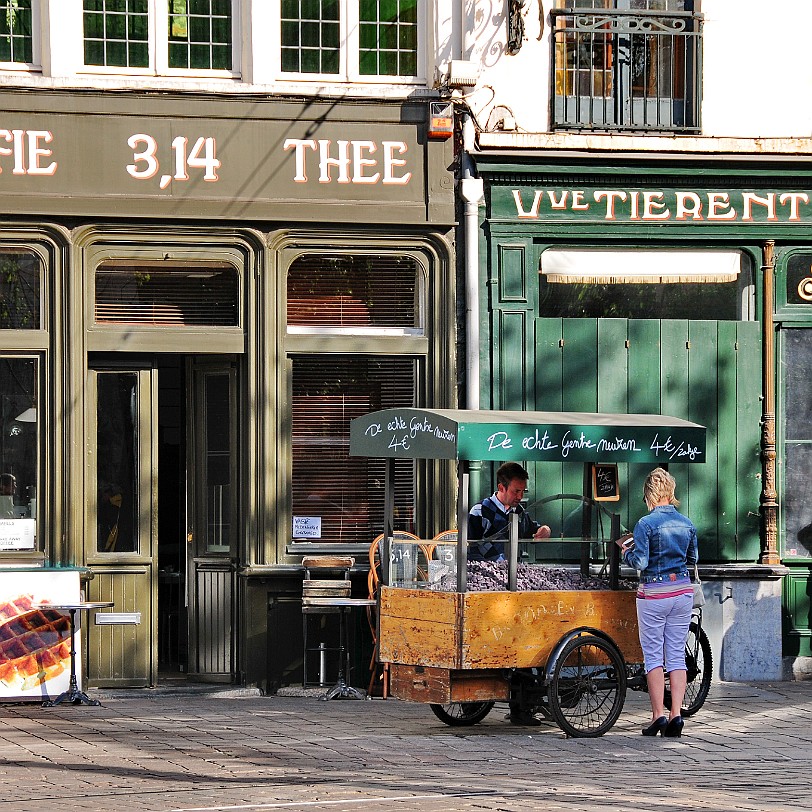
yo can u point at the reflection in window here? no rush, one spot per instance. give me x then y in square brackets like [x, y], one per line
[16, 44]
[117, 462]
[19, 290]
[799, 279]
[218, 457]
[19, 434]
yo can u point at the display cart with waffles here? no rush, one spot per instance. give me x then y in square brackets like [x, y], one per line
[569, 654]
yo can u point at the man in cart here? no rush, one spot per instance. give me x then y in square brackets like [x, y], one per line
[488, 527]
[489, 520]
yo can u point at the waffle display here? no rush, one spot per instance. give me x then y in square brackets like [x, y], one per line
[34, 643]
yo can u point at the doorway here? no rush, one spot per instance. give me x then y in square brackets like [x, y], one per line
[162, 524]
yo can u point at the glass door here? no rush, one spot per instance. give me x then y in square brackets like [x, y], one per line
[120, 544]
[213, 518]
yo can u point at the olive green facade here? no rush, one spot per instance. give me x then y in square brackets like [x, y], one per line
[101, 185]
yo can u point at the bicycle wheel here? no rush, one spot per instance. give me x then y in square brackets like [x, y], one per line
[699, 666]
[588, 687]
[458, 714]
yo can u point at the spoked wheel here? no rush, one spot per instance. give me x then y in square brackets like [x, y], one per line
[588, 687]
[699, 664]
[458, 714]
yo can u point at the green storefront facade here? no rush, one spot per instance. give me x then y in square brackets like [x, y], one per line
[681, 286]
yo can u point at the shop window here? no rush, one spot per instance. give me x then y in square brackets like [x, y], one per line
[626, 65]
[367, 291]
[159, 35]
[16, 27]
[350, 39]
[19, 452]
[799, 279]
[644, 284]
[20, 281]
[342, 497]
[201, 294]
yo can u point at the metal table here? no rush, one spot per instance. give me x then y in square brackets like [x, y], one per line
[74, 695]
[341, 690]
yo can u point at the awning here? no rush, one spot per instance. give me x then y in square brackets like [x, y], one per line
[526, 436]
[629, 266]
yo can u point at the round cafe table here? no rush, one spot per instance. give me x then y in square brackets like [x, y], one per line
[73, 695]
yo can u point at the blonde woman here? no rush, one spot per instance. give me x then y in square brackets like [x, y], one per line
[663, 549]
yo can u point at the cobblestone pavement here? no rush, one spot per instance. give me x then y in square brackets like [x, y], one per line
[749, 748]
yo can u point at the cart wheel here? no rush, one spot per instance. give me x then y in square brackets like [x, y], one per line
[699, 662]
[588, 687]
[458, 714]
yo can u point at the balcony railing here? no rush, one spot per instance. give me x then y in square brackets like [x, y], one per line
[626, 70]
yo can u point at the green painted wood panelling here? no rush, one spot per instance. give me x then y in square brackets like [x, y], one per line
[727, 453]
[701, 484]
[748, 441]
[513, 282]
[797, 613]
[513, 379]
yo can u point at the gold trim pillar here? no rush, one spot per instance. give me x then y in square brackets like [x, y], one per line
[769, 494]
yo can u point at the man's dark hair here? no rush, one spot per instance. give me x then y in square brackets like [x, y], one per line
[509, 471]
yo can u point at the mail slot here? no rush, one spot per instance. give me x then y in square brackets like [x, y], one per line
[118, 618]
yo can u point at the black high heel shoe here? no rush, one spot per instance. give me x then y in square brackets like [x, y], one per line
[657, 726]
[674, 728]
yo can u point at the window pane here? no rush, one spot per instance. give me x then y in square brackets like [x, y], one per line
[20, 278]
[388, 38]
[345, 492]
[19, 454]
[693, 300]
[116, 33]
[15, 30]
[192, 35]
[799, 279]
[363, 291]
[218, 456]
[312, 29]
[117, 462]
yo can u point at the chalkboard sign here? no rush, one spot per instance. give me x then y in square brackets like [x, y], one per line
[605, 487]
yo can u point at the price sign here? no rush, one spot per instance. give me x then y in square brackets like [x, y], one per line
[605, 487]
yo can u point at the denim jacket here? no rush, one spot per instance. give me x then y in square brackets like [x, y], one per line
[664, 545]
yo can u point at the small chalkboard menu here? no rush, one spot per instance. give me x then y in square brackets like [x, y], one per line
[605, 486]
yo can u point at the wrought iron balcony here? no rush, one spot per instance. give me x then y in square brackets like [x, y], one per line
[626, 70]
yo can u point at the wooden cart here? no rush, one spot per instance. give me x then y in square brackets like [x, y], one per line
[568, 654]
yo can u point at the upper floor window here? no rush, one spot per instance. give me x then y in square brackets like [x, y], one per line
[626, 65]
[352, 39]
[16, 25]
[158, 36]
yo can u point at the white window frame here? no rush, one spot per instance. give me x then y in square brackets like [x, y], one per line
[349, 46]
[159, 48]
[36, 45]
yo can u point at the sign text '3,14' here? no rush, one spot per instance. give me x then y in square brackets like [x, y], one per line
[145, 165]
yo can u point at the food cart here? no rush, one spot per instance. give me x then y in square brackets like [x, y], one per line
[569, 654]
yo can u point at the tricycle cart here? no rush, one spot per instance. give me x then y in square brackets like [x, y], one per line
[569, 654]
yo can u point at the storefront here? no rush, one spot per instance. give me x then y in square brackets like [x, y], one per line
[625, 283]
[197, 293]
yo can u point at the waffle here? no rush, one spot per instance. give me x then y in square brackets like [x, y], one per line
[34, 645]
[15, 607]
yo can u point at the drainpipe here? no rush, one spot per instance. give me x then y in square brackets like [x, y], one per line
[769, 494]
[471, 191]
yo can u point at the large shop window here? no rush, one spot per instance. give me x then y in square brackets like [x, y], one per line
[339, 498]
[346, 299]
[19, 452]
[159, 35]
[20, 282]
[646, 284]
[350, 40]
[626, 65]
